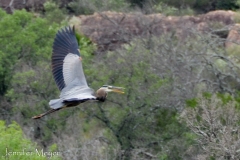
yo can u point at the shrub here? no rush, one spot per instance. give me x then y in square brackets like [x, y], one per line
[15, 146]
[214, 119]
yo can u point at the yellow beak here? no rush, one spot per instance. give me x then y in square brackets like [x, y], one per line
[118, 90]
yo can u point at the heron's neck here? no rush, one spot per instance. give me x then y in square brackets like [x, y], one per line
[101, 95]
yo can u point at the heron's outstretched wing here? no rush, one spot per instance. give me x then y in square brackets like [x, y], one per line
[66, 62]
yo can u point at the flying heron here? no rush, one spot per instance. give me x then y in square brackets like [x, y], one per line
[68, 74]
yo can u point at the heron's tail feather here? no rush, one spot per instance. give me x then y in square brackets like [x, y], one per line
[56, 103]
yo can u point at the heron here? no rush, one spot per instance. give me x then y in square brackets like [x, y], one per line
[68, 74]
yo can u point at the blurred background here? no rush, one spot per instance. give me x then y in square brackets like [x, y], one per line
[178, 60]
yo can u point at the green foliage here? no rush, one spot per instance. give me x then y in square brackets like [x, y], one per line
[205, 5]
[53, 13]
[170, 10]
[139, 3]
[91, 6]
[135, 119]
[25, 38]
[214, 123]
[207, 95]
[146, 116]
[15, 146]
[53, 148]
[87, 48]
[191, 103]
[226, 98]
[186, 7]
[25, 69]
[145, 120]
[179, 4]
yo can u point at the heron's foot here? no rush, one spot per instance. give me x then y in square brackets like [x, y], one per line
[37, 117]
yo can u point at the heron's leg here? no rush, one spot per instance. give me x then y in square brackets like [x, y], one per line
[46, 113]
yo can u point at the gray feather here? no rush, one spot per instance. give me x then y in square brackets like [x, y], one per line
[56, 103]
[72, 68]
[76, 91]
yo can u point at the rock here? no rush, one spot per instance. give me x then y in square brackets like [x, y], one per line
[111, 29]
[11, 5]
[233, 38]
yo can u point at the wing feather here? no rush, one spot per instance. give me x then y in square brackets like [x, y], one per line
[65, 42]
[67, 68]
[72, 68]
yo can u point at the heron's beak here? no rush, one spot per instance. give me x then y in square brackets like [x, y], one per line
[118, 90]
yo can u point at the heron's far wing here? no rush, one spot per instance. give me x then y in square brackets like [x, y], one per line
[66, 63]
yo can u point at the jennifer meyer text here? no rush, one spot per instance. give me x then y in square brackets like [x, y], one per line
[37, 152]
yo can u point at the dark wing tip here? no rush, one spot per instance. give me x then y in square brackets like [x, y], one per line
[66, 41]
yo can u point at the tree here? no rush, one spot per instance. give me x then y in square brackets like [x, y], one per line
[136, 120]
[25, 41]
[214, 118]
[160, 74]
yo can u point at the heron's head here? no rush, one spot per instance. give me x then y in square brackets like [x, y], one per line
[108, 88]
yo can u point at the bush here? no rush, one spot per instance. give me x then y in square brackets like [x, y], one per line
[91, 6]
[25, 40]
[53, 13]
[199, 5]
[15, 146]
[214, 119]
